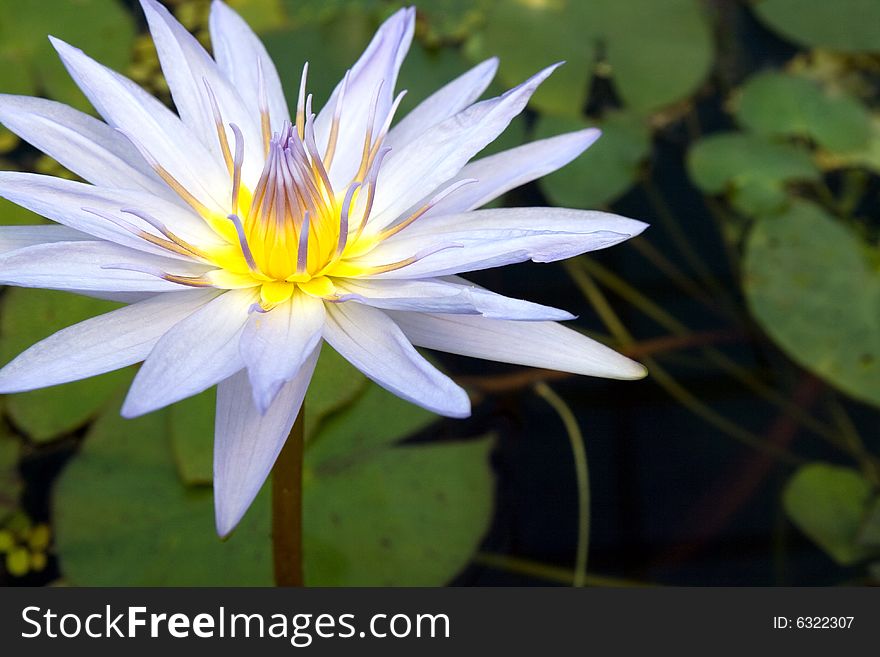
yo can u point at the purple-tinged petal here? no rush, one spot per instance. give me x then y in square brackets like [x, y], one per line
[443, 296]
[101, 344]
[88, 147]
[417, 169]
[193, 355]
[491, 238]
[379, 64]
[127, 107]
[275, 344]
[240, 55]
[373, 343]
[509, 169]
[190, 71]
[74, 204]
[19, 237]
[443, 103]
[247, 442]
[91, 267]
[537, 344]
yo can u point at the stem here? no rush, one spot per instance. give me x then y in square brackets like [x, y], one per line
[287, 508]
[548, 572]
[576, 439]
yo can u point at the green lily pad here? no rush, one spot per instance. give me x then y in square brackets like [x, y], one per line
[810, 284]
[191, 430]
[605, 171]
[751, 170]
[844, 25]
[399, 515]
[29, 316]
[450, 20]
[330, 47]
[29, 64]
[321, 11]
[352, 433]
[673, 32]
[335, 384]
[124, 519]
[409, 516]
[827, 503]
[777, 104]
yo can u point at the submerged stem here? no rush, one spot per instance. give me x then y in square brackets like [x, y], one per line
[287, 508]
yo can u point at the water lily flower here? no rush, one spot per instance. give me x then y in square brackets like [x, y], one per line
[243, 235]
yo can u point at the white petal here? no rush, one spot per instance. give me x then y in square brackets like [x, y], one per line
[440, 296]
[275, 344]
[421, 166]
[195, 354]
[119, 297]
[188, 68]
[490, 238]
[247, 442]
[374, 344]
[124, 105]
[101, 344]
[443, 103]
[18, 237]
[90, 266]
[88, 147]
[240, 54]
[509, 169]
[71, 203]
[380, 63]
[537, 344]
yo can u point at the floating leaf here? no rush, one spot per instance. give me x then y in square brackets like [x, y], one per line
[124, 519]
[810, 284]
[29, 316]
[400, 515]
[450, 20]
[410, 516]
[335, 384]
[339, 42]
[191, 429]
[750, 169]
[777, 104]
[827, 503]
[583, 33]
[29, 64]
[845, 25]
[367, 425]
[322, 11]
[605, 171]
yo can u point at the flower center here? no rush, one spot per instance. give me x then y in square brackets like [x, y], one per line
[293, 226]
[293, 230]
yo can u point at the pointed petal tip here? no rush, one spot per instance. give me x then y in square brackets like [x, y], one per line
[226, 520]
[225, 525]
[460, 409]
[590, 136]
[130, 409]
[634, 372]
